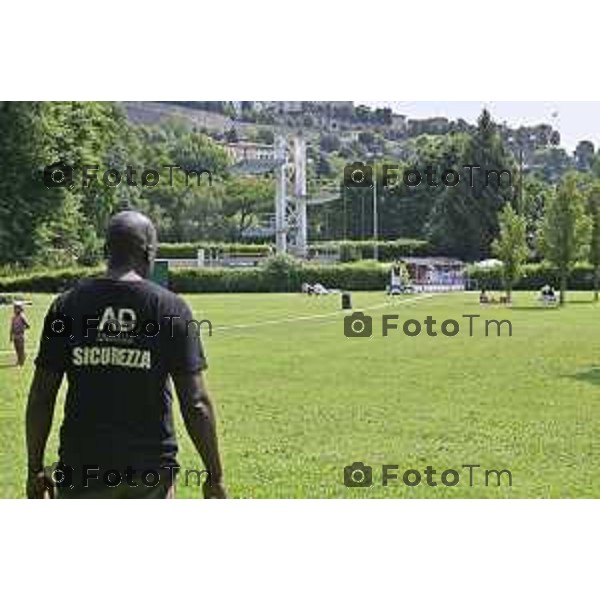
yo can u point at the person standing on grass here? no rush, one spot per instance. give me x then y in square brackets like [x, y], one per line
[119, 338]
[395, 279]
[18, 326]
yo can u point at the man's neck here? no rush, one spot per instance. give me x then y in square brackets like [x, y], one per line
[125, 273]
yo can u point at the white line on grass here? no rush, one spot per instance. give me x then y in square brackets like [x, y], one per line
[318, 316]
[299, 318]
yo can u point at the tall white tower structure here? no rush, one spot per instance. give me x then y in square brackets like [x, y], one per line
[281, 194]
[290, 209]
[300, 230]
[289, 166]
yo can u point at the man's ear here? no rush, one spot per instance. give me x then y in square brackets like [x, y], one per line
[149, 252]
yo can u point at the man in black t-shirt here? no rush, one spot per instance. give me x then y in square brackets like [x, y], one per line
[118, 339]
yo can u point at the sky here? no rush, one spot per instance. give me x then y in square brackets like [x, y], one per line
[576, 121]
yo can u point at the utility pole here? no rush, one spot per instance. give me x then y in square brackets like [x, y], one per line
[521, 204]
[375, 216]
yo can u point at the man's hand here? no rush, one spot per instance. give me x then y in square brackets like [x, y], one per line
[39, 485]
[38, 420]
[213, 491]
[199, 418]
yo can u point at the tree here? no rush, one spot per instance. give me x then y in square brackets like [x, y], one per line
[551, 163]
[464, 219]
[405, 210]
[594, 254]
[58, 240]
[511, 247]
[584, 155]
[244, 199]
[23, 204]
[565, 230]
[37, 223]
[535, 197]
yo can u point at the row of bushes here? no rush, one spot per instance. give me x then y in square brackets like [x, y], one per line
[46, 281]
[190, 250]
[279, 275]
[534, 277]
[274, 278]
[349, 251]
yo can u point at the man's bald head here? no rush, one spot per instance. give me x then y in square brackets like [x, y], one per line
[131, 241]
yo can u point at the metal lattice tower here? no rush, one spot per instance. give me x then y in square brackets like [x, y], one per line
[290, 209]
[297, 234]
[291, 224]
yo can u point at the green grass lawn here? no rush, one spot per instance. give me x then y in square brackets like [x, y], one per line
[297, 400]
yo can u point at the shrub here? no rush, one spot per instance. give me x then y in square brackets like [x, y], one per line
[46, 281]
[350, 251]
[190, 250]
[535, 275]
[280, 276]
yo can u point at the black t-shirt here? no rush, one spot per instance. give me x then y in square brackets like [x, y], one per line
[120, 341]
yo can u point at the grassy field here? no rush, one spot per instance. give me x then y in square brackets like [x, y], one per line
[298, 401]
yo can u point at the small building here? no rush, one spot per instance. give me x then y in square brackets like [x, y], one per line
[252, 151]
[435, 270]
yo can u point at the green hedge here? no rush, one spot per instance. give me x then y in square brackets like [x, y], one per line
[287, 275]
[534, 277]
[350, 251]
[388, 251]
[278, 275]
[46, 281]
[274, 278]
[190, 250]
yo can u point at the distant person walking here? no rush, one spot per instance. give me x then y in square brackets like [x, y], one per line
[119, 338]
[395, 280]
[18, 326]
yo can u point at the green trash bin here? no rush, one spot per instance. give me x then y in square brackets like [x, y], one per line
[160, 273]
[346, 301]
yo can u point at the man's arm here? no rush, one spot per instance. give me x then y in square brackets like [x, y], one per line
[199, 418]
[40, 410]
